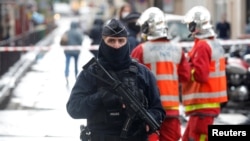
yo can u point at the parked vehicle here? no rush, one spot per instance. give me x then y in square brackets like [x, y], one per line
[176, 28]
[238, 75]
[178, 31]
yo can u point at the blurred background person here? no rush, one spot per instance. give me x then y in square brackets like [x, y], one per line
[36, 17]
[169, 65]
[74, 38]
[124, 11]
[130, 22]
[223, 28]
[206, 90]
[95, 35]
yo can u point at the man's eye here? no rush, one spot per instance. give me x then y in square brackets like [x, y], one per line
[121, 40]
[111, 41]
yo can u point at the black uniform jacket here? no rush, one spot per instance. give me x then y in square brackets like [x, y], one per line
[85, 100]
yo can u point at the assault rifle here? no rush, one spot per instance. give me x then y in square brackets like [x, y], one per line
[133, 105]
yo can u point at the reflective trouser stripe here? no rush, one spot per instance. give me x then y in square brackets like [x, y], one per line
[172, 108]
[203, 137]
[201, 106]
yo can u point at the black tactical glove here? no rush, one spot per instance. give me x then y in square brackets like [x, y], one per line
[109, 97]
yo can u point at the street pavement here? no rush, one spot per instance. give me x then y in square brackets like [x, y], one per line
[37, 110]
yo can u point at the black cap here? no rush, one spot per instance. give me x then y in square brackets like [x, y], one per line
[132, 16]
[114, 29]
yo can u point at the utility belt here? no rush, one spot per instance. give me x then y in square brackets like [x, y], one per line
[87, 135]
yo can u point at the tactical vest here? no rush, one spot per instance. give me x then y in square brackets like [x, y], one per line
[113, 116]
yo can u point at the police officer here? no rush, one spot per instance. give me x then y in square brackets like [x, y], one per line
[133, 29]
[104, 110]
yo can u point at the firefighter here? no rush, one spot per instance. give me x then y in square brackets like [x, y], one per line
[206, 89]
[167, 62]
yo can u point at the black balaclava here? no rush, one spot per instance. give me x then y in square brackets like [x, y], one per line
[112, 58]
[131, 20]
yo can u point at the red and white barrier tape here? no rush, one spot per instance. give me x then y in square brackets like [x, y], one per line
[95, 47]
[33, 48]
[223, 42]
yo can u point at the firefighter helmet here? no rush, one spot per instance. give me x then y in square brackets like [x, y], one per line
[198, 20]
[152, 23]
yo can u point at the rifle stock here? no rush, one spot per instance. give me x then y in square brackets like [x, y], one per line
[130, 100]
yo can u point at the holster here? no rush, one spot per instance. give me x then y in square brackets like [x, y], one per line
[85, 134]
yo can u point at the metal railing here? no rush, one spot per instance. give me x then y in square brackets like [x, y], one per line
[7, 59]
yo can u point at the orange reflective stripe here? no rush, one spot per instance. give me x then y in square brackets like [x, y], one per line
[168, 87]
[164, 68]
[215, 89]
[172, 108]
[197, 101]
[220, 67]
[222, 64]
[212, 66]
[169, 103]
[213, 85]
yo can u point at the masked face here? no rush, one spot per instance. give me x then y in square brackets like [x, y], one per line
[134, 27]
[125, 11]
[124, 14]
[115, 42]
[115, 58]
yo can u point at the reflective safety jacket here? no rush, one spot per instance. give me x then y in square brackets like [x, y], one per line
[207, 87]
[168, 64]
